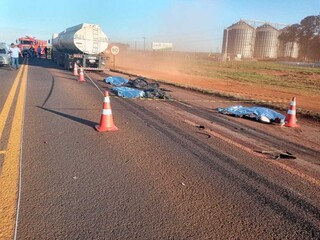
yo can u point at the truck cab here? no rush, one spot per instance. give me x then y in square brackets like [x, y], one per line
[25, 44]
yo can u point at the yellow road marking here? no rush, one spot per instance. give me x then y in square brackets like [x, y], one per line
[9, 177]
[6, 108]
[2, 152]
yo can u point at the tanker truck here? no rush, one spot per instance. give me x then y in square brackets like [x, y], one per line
[83, 44]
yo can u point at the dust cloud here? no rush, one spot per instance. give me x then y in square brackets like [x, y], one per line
[174, 63]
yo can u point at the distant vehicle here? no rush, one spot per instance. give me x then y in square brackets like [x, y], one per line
[25, 43]
[4, 54]
[83, 44]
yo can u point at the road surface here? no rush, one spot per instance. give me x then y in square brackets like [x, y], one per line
[174, 170]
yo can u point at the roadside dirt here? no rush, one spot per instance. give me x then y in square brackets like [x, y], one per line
[169, 70]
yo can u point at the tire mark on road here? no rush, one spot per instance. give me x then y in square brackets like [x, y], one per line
[50, 92]
[237, 173]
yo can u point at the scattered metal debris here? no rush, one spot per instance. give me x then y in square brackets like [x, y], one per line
[206, 134]
[278, 155]
[286, 155]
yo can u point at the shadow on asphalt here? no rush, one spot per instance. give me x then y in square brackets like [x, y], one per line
[7, 68]
[73, 118]
[37, 62]
[42, 62]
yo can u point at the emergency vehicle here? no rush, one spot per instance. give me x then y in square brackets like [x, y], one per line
[25, 43]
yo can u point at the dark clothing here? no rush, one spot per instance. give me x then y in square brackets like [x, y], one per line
[39, 52]
[46, 52]
[31, 51]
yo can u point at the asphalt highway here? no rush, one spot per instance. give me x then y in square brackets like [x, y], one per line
[160, 176]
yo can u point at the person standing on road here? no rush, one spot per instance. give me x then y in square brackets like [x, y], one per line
[31, 51]
[14, 51]
[39, 51]
[46, 51]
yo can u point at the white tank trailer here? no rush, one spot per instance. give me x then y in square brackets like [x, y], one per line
[83, 44]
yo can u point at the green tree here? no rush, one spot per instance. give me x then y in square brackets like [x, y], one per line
[290, 35]
[307, 34]
[314, 49]
[308, 37]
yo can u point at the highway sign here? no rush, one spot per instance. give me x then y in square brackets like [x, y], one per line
[115, 50]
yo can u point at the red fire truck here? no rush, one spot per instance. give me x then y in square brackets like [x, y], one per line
[25, 44]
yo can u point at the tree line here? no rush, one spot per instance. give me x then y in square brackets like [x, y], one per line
[307, 35]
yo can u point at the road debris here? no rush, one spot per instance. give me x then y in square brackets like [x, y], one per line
[137, 88]
[277, 154]
[142, 83]
[286, 155]
[205, 134]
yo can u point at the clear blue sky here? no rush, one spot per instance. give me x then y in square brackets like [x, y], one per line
[194, 25]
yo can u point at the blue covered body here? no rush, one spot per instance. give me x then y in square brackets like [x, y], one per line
[258, 113]
[116, 81]
[127, 92]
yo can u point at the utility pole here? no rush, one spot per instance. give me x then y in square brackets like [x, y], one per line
[144, 44]
[226, 45]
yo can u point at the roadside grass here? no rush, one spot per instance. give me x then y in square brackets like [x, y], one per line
[260, 74]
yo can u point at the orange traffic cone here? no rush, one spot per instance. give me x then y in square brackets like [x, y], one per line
[75, 69]
[81, 75]
[291, 120]
[106, 121]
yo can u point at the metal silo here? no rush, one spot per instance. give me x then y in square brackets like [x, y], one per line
[289, 49]
[239, 39]
[266, 43]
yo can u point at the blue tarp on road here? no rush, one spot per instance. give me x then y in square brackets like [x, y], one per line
[127, 92]
[137, 88]
[259, 113]
[116, 81]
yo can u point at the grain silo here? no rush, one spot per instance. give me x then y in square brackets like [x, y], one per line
[239, 39]
[288, 50]
[266, 42]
